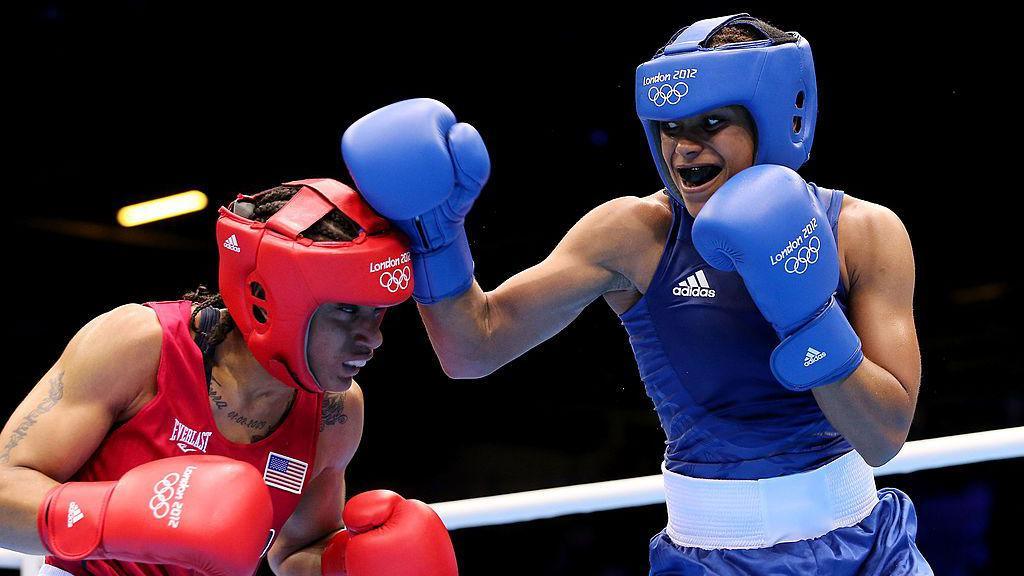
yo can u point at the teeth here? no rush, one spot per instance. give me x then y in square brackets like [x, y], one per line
[356, 363]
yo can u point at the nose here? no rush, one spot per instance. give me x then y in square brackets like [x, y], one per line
[688, 148]
[368, 331]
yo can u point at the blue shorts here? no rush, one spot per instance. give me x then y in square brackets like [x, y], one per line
[882, 543]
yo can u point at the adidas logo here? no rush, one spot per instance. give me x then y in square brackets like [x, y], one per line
[232, 244]
[695, 285]
[813, 356]
[74, 514]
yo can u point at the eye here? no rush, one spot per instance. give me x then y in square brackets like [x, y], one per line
[347, 308]
[671, 128]
[712, 123]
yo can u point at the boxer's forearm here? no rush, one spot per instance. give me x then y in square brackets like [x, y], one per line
[871, 409]
[459, 332]
[476, 333]
[22, 490]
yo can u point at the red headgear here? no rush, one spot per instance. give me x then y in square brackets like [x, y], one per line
[272, 279]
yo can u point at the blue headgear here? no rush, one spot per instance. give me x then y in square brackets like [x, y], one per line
[772, 79]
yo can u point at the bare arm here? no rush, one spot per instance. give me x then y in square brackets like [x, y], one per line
[478, 332]
[874, 406]
[317, 518]
[68, 413]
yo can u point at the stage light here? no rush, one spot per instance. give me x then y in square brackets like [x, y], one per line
[161, 208]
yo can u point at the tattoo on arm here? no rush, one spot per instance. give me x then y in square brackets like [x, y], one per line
[333, 410]
[19, 433]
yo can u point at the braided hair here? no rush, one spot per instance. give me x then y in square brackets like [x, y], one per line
[748, 30]
[334, 226]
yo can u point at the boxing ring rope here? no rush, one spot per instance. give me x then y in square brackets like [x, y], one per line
[645, 490]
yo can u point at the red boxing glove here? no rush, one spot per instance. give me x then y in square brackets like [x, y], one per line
[208, 513]
[388, 535]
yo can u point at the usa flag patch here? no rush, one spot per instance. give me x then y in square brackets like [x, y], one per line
[285, 473]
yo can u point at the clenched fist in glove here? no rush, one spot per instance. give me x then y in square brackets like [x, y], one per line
[422, 170]
[766, 224]
[209, 513]
[388, 535]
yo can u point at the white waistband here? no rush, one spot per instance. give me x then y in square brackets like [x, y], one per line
[711, 514]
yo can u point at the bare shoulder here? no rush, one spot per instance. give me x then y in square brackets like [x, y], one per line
[341, 427]
[115, 359]
[105, 367]
[631, 213]
[116, 354]
[867, 219]
[135, 323]
[874, 242]
[620, 227]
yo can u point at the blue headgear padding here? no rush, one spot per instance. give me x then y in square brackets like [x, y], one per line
[774, 81]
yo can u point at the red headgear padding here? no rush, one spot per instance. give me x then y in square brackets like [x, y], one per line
[272, 279]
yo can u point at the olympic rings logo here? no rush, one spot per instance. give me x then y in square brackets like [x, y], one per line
[804, 257]
[668, 93]
[397, 280]
[163, 492]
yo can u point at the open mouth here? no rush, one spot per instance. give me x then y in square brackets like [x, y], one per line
[697, 176]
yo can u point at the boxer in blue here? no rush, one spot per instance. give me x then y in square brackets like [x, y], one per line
[771, 318]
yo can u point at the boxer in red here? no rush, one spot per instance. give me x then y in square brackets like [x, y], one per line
[180, 437]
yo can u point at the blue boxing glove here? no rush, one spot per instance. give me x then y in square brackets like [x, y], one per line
[767, 225]
[420, 169]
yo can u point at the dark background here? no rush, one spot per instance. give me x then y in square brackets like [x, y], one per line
[116, 104]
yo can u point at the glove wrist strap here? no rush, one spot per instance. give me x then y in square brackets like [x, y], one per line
[70, 519]
[443, 273]
[824, 350]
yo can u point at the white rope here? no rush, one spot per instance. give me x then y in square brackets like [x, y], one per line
[956, 450]
[11, 559]
[645, 490]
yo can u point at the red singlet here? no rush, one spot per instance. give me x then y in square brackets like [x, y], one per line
[179, 421]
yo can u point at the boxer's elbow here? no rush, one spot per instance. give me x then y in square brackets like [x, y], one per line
[878, 458]
[893, 439]
[467, 369]
[284, 561]
[276, 564]
[884, 450]
[468, 362]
